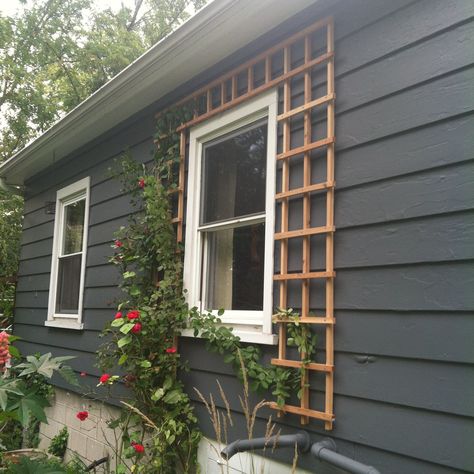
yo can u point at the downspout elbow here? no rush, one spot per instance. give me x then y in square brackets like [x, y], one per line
[300, 439]
[325, 450]
[9, 189]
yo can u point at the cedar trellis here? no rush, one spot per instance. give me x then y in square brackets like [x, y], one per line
[227, 92]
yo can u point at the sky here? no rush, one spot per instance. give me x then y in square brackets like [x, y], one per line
[9, 7]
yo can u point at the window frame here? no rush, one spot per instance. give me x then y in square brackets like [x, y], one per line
[250, 326]
[64, 197]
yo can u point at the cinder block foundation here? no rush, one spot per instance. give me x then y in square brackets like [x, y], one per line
[91, 439]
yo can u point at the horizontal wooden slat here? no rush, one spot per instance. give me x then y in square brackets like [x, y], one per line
[174, 190]
[309, 105]
[255, 60]
[303, 411]
[304, 190]
[297, 364]
[254, 92]
[304, 276]
[305, 148]
[307, 320]
[303, 232]
[175, 220]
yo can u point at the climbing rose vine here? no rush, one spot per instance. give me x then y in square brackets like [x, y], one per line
[142, 336]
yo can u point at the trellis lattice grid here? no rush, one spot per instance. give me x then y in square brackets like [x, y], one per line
[277, 68]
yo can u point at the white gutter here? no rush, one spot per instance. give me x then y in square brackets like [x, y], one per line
[215, 32]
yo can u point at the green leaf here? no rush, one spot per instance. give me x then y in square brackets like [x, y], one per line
[68, 375]
[146, 364]
[158, 394]
[172, 397]
[14, 352]
[127, 275]
[124, 341]
[44, 365]
[134, 291]
[123, 359]
[116, 323]
[125, 329]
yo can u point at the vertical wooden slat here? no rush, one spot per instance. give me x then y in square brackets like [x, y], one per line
[330, 236]
[223, 93]
[182, 154]
[305, 291]
[234, 87]
[284, 204]
[208, 101]
[268, 68]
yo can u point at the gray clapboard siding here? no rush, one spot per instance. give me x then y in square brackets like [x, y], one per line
[39, 248]
[39, 232]
[373, 423]
[430, 102]
[388, 462]
[404, 172]
[395, 31]
[93, 319]
[418, 332]
[416, 150]
[85, 341]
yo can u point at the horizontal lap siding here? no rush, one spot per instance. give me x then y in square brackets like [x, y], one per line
[403, 244]
[108, 211]
[403, 247]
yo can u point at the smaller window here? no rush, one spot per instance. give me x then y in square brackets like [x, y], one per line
[69, 256]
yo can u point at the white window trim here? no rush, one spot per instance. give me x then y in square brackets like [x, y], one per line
[250, 326]
[64, 196]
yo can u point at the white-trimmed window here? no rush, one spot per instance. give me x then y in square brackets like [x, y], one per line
[230, 217]
[69, 256]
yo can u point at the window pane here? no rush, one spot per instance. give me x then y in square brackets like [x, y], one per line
[73, 227]
[234, 175]
[235, 265]
[69, 275]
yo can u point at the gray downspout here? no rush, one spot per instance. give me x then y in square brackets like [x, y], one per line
[9, 189]
[325, 450]
[300, 439]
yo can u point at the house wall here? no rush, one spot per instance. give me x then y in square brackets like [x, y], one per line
[403, 246]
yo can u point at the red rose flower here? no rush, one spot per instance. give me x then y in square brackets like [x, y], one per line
[171, 350]
[82, 374]
[117, 243]
[82, 415]
[133, 314]
[104, 378]
[118, 315]
[141, 183]
[139, 448]
[137, 327]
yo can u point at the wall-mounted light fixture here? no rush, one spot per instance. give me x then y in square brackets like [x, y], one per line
[50, 207]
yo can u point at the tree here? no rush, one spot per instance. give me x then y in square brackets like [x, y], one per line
[53, 55]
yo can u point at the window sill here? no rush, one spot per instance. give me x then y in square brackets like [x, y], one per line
[253, 337]
[64, 324]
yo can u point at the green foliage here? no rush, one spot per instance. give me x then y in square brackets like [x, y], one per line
[11, 208]
[151, 265]
[37, 466]
[58, 444]
[24, 394]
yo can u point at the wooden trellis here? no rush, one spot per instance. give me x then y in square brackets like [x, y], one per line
[240, 85]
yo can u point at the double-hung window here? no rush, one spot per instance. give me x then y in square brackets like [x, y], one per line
[69, 256]
[230, 217]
